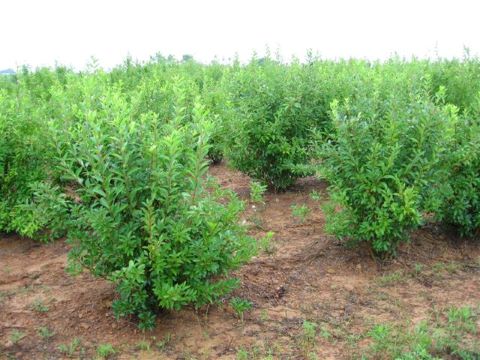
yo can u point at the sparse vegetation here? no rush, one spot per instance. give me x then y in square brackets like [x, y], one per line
[454, 334]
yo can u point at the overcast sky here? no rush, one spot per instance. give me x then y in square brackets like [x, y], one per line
[71, 31]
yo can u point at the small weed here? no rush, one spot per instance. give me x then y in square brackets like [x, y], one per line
[71, 348]
[391, 279]
[16, 336]
[3, 295]
[143, 345]
[268, 354]
[266, 244]
[353, 339]
[39, 306]
[257, 190]
[462, 320]
[309, 335]
[264, 315]
[24, 290]
[257, 221]
[45, 333]
[418, 268]
[163, 344]
[242, 354]
[381, 335]
[396, 342]
[105, 350]
[240, 306]
[324, 333]
[309, 330]
[450, 267]
[73, 268]
[315, 195]
[255, 350]
[300, 212]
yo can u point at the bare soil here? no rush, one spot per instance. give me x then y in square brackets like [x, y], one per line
[307, 276]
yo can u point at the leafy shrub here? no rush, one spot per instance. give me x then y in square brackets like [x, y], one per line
[25, 158]
[461, 206]
[461, 79]
[216, 100]
[276, 109]
[383, 170]
[145, 218]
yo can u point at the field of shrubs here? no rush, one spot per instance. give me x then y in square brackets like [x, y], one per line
[135, 173]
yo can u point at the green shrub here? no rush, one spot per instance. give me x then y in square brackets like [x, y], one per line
[25, 159]
[145, 217]
[461, 206]
[216, 100]
[461, 79]
[276, 109]
[383, 169]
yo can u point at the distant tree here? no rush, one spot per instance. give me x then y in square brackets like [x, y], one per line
[187, 58]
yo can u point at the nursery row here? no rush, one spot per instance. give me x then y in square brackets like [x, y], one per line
[116, 161]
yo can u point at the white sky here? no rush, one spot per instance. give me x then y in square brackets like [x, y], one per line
[71, 31]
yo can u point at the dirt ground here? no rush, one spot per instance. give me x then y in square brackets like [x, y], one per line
[304, 275]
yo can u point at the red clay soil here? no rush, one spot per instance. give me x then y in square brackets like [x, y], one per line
[308, 275]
